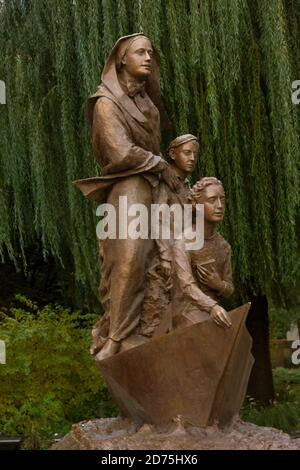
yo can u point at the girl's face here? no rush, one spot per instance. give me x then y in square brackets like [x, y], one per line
[213, 198]
[185, 156]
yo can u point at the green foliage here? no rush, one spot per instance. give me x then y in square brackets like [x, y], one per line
[281, 320]
[285, 416]
[50, 380]
[285, 412]
[227, 69]
[286, 376]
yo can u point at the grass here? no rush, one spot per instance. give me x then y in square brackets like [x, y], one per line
[284, 413]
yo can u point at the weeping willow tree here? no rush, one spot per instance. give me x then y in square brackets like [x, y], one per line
[227, 69]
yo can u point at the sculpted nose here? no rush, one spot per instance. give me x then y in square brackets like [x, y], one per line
[218, 203]
[191, 157]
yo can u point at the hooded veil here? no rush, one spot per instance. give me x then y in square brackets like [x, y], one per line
[110, 80]
[110, 88]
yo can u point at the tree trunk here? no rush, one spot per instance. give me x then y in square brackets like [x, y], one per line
[260, 385]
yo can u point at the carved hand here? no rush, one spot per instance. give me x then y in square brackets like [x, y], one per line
[210, 278]
[220, 316]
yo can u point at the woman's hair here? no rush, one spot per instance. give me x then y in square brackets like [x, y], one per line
[198, 188]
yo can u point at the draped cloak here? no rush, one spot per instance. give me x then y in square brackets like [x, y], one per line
[125, 133]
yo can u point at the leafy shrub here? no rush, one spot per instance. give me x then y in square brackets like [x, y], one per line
[285, 416]
[281, 320]
[285, 412]
[50, 380]
[288, 376]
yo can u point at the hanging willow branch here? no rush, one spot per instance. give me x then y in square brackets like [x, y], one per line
[226, 73]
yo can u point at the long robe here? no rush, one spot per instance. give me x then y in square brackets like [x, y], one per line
[158, 288]
[125, 131]
[128, 151]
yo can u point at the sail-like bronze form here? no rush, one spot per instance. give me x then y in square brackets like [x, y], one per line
[199, 372]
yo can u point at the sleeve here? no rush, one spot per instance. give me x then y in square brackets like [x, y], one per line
[183, 272]
[228, 287]
[112, 140]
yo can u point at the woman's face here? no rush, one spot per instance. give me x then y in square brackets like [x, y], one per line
[185, 156]
[213, 198]
[138, 59]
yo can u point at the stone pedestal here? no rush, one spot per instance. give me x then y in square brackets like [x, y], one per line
[117, 434]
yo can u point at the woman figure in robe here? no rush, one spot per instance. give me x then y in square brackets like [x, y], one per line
[124, 117]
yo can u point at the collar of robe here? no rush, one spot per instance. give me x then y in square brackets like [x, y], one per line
[132, 87]
[111, 81]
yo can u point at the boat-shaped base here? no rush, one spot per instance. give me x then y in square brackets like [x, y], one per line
[198, 373]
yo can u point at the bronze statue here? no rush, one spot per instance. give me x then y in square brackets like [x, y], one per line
[197, 374]
[203, 276]
[182, 153]
[197, 363]
[124, 116]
